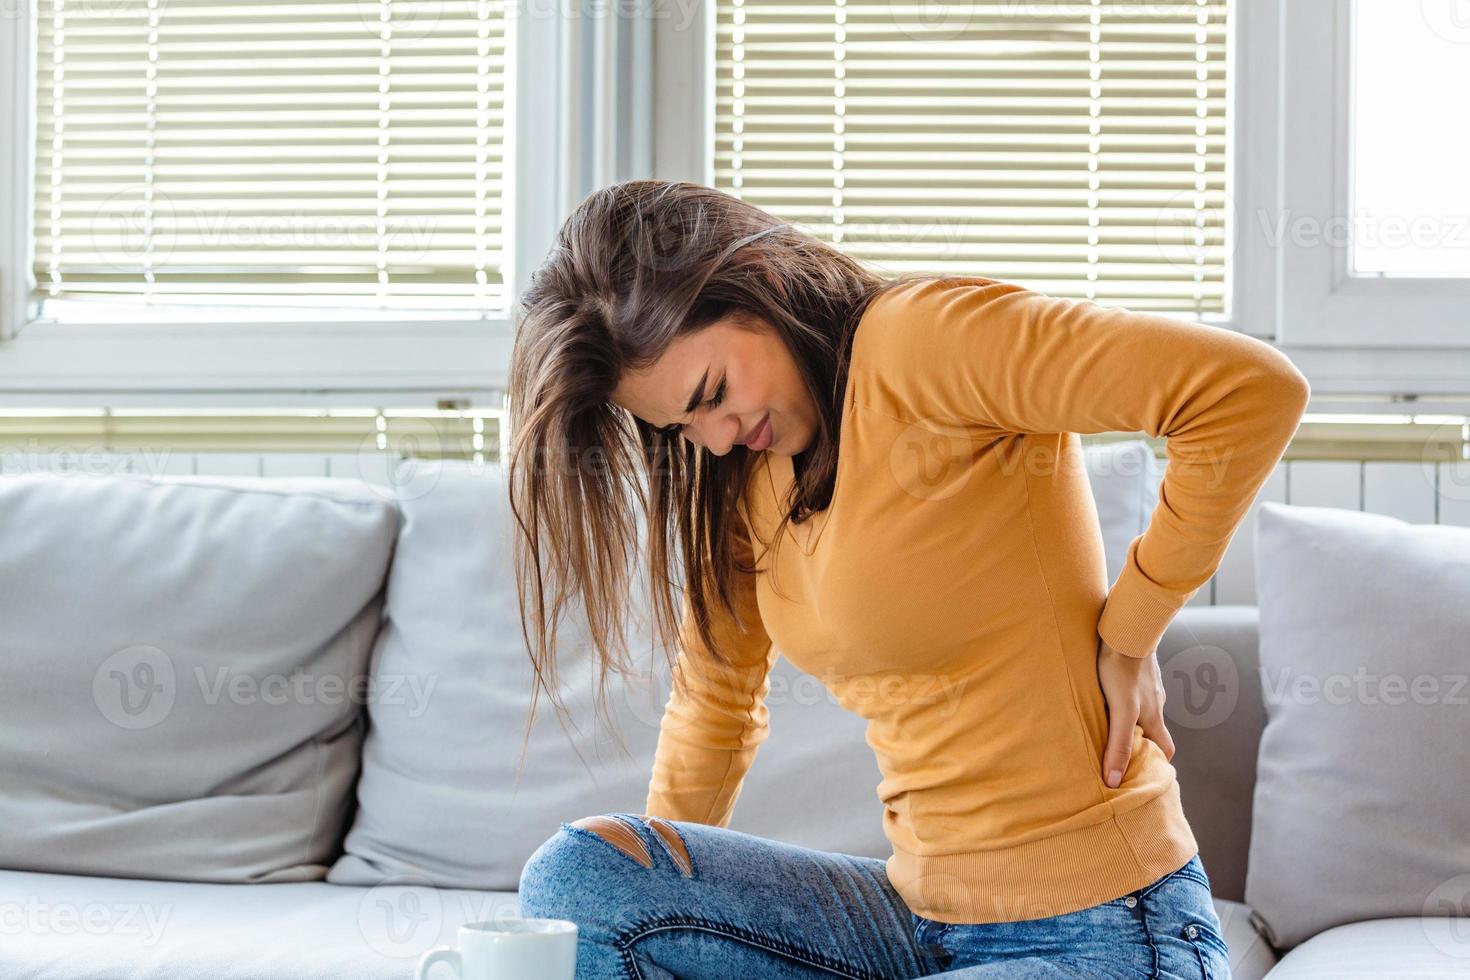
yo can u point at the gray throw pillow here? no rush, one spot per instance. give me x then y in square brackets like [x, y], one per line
[1360, 807]
[182, 668]
[438, 801]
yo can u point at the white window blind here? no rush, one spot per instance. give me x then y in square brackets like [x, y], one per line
[1077, 148]
[272, 153]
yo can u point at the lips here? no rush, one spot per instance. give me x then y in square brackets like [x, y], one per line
[758, 438]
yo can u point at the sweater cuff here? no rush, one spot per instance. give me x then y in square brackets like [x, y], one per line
[1137, 611]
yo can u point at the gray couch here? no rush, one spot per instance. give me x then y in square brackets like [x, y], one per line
[307, 839]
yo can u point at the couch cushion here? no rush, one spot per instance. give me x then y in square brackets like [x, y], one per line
[66, 927]
[438, 794]
[1359, 810]
[176, 665]
[1426, 949]
[439, 763]
[1251, 957]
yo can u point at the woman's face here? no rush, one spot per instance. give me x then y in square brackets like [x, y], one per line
[748, 377]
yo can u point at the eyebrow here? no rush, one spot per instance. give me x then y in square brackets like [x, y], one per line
[697, 397]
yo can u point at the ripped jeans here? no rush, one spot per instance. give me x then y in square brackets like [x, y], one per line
[674, 900]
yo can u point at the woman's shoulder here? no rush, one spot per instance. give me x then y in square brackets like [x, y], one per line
[911, 332]
[915, 313]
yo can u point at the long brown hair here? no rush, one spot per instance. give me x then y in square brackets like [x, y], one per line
[636, 265]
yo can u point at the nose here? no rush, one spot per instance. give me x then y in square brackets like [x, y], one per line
[715, 431]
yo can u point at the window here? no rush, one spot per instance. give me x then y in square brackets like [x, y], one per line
[288, 200]
[1077, 148]
[334, 154]
[1374, 227]
[1410, 190]
[906, 131]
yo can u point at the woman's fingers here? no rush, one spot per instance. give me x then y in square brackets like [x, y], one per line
[1121, 719]
[1151, 695]
[1156, 731]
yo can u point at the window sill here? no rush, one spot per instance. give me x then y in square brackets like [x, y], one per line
[51, 362]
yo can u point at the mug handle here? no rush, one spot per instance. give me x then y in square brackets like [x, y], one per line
[439, 954]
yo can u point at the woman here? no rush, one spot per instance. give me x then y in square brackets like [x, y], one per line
[917, 440]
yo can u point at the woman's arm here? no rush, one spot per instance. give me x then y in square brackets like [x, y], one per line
[710, 732]
[993, 355]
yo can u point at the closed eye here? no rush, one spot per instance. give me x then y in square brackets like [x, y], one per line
[715, 401]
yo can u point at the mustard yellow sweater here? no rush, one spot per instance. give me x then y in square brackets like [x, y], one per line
[954, 590]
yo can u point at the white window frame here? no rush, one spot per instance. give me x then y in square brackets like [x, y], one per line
[1382, 337]
[1280, 68]
[1324, 303]
[381, 357]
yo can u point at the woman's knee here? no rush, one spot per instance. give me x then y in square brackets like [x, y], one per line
[639, 836]
[602, 854]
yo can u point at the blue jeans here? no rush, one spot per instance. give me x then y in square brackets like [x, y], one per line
[674, 900]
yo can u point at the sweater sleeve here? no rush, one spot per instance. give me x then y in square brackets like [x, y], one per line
[997, 356]
[711, 729]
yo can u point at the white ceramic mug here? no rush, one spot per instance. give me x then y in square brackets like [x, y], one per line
[509, 949]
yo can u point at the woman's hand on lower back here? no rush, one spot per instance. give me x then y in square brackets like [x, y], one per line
[1134, 691]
